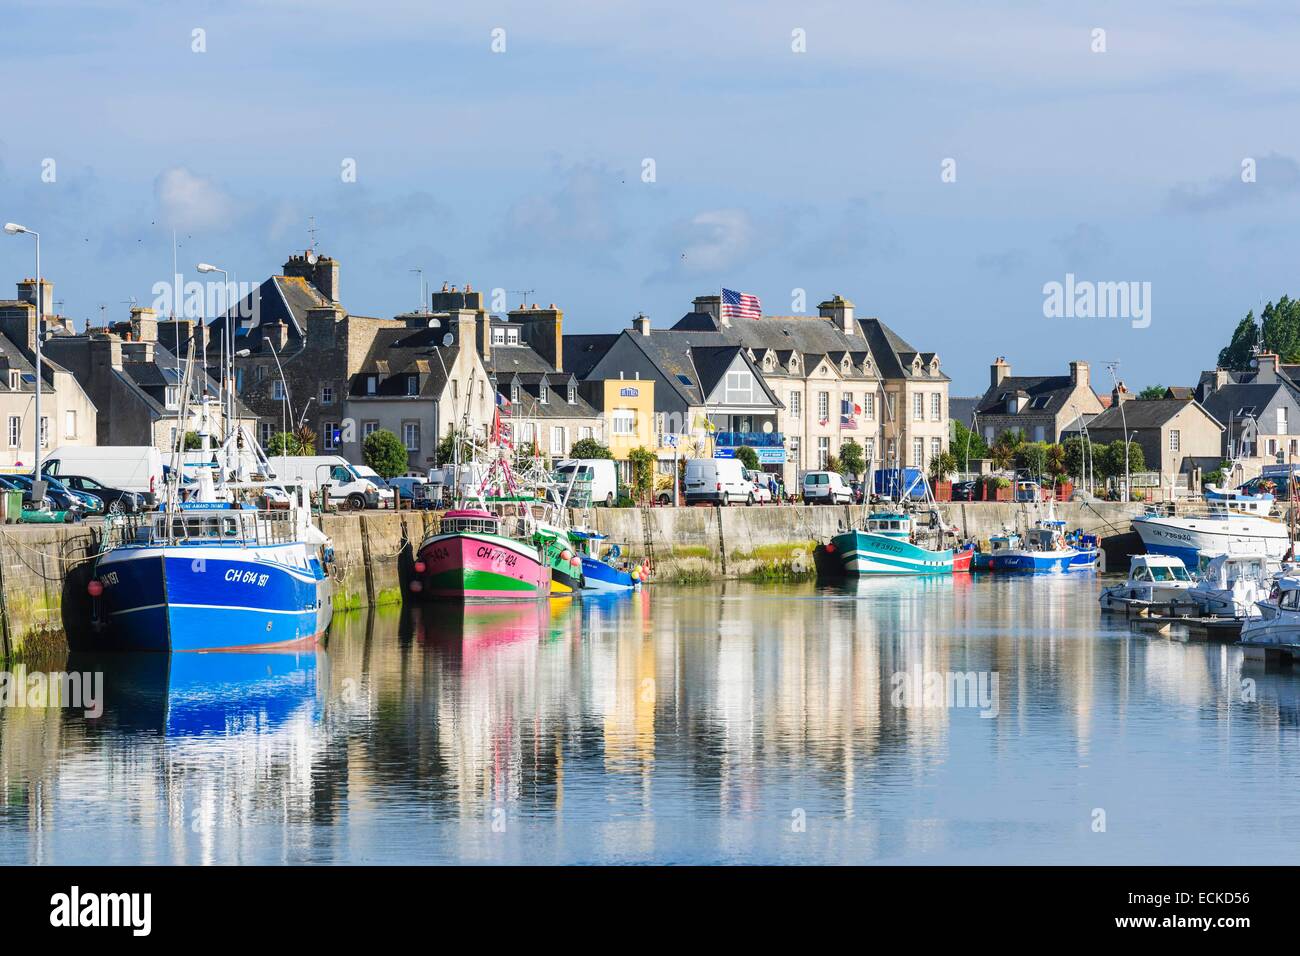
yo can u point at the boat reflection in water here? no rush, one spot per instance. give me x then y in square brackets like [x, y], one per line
[204, 695]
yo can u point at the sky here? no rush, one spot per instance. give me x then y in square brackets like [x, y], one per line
[939, 163]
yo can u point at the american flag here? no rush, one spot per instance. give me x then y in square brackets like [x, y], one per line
[740, 305]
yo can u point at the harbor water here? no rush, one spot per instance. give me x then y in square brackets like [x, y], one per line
[944, 720]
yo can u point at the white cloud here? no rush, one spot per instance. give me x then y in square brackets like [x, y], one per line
[187, 200]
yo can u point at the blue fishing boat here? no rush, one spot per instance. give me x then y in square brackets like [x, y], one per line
[999, 542]
[1045, 550]
[601, 572]
[211, 575]
[888, 544]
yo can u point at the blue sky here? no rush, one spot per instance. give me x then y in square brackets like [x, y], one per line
[775, 170]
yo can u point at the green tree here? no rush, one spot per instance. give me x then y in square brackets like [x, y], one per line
[193, 441]
[748, 457]
[643, 472]
[384, 452]
[1236, 354]
[306, 439]
[1279, 328]
[852, 458]
[965, 443]
[589, 448]
[834, 464]
[1032, 457]
[942, 465]
[1004, 449]
[1109, 459]
[446, 451]
[284, 443]
[1075, 453]
[1151, 392]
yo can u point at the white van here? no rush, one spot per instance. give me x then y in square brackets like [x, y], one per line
[347, 485]
[137, 468]
[387, 494]
[601, 472]
[827, 488]
[719, 480]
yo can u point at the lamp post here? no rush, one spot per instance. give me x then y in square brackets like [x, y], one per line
[13, 229]
[227, 343]
[1119, 397]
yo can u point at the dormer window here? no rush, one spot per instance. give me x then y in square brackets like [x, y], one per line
[372, 383]
[514, 394]
[413, 385]
[15, 380]
[573, 393]
[543, 393]
[173, 396]
[512, 336]
[498, 336]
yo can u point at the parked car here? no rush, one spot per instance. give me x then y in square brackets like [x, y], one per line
[409, 487]
[964, 490]
[827, 488]
[59, 498]
[134, 468]
[762, 493]
[718, 480]
[1028, 491]
[114, 499]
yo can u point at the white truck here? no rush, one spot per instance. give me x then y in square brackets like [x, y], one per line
[135, 468]
[352, 486]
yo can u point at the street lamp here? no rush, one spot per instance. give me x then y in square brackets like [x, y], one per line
[13, 229]
[227, 344]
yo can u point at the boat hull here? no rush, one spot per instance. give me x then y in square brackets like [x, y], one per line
[599, 576]
[864, 553]
[469, 566]
[195, 598]
[1189, 538]
[1033, 562]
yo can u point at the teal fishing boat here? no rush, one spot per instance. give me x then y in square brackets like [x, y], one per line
[890, 544]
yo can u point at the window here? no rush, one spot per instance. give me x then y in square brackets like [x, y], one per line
[368, 429]
[514, 394]
[173, 396]
[1281, 421]
[331, 433]
[498, 336]
[1040, 433]
[413, 385]
[918, 407]
[15, 431]
[988, 434]
[796, 399]
[869, 407]
[891, 450]
[869, 449]
[685, 381]
[70, 424]
[528, 433]
[512, 336]
[239, 379]
[573, 393]
[891, 406]
[936, 448]
[823, 406]
[1176, 438]
[277, 390]
[918, 452]
[740, 386]
[265, 429]
[846, 403]
[15, 379]
[261, 373]
[372, 383]
[411, 435]
[559, 440]
[543, 392]
[624, 421]
[936, 406]
[588, 433]
[327, 394]
[793, 443]
[823, 451]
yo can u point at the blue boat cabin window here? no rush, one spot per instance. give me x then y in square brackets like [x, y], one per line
[1290, 600]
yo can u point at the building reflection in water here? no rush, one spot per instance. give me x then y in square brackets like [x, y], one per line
[673, 723]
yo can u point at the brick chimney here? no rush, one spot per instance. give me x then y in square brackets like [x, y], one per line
[105, 353]
[641, 324]
[1119, 394]
[1266, 368]
[18, 323]
[144, 324]
[840, 311]
[998, 371]
[1079, 374]
[323, 273]
[542, 329]
[710, 305]
[484, 330]
[27, 293]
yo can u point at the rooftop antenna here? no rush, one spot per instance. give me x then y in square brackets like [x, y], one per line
[311, 232]
[423, 306]
[524, 292]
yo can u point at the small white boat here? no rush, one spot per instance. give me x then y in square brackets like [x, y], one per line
[1232, 584]
[1152, 579]
[1277, 622]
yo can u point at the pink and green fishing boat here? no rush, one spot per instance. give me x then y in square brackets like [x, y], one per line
[471, 558]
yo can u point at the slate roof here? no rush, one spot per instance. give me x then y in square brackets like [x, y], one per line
[530, 405]
[278, 300]
[583, 352]
[1142, 413]
[811, 336]
[399, 352]
[960, 409]
[1047, 395]
[1226, 402]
